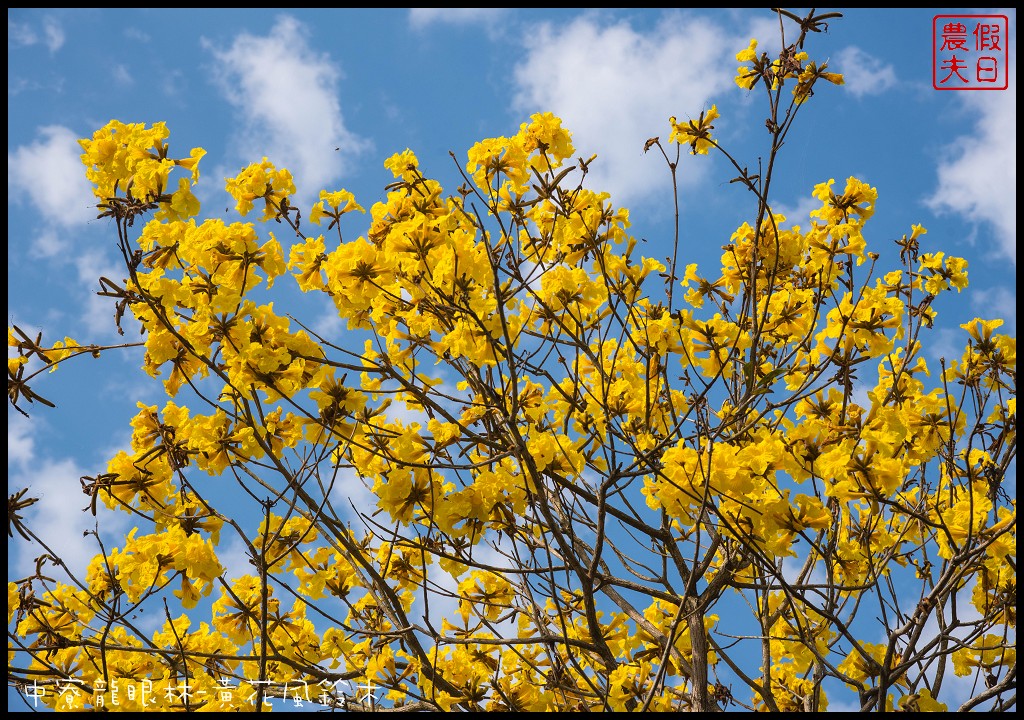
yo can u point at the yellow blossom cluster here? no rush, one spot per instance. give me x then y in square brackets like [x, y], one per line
[610, 460]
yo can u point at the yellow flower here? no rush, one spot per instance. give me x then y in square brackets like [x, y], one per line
[747, 77]
[861, 665]
[404, 165]
[484, 594]
[13, 601]
[61, 350]
[261, 181]
[810, 75]
[188, 594]
[988, 652]
[943, 272]
[340, 203]
[183, 204]
[192, 163]
[13, 363]
[981, 330]
[695, 134]
[921, 701]
[858, 200]
[306, 259]
[500, 158]
[545, 135]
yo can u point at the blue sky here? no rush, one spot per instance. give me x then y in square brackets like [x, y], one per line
[332, 94]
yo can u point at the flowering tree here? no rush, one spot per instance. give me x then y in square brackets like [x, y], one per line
[599, 481]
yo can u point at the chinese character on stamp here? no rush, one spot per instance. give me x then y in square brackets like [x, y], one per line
[970, 52]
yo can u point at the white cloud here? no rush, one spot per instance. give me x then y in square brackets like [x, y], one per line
[53, 34]
[955, 689]
[614, 87]
[174, 84]
[97, 313]
[996, 302]
[328, 323]
[20, 33]
[60, 517]
[49, 242]
[138, 34]
[349, 496]
[834, 706]
[50, 34]
[234, 555]
[798, 214]
[864, 73]
[977, 173]
[793, 567]
[421, 17]
[860, 392]
[20, 444]
[287, 100]
[440, 601]
[944, 343]
[48, 172]
[122, 75]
